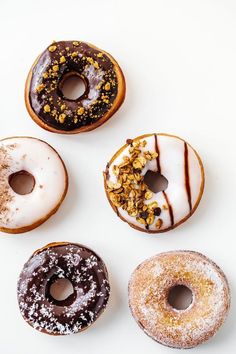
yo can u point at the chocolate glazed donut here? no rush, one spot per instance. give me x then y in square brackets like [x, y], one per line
[104, 88]
[88, 275]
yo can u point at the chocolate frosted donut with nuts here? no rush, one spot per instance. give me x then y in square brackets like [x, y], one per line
[88, 275]
[150, 289]
[104, 87]
[142, 165]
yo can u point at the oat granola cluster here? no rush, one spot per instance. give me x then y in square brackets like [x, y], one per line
[130, 192]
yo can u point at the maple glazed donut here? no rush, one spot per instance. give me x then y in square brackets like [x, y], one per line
[149, 290]
[88, 275]
[104, 87]
[129, 194]
[26, 156]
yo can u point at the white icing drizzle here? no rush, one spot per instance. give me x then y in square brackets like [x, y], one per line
[87, 273]
[42, 161]
[148, 292]
[172, 166]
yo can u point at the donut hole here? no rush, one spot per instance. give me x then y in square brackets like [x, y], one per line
[155, 181]
[180, 297]
[22, 182]
[72, 86]
[61, 289]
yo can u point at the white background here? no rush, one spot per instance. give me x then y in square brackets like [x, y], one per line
[179, 60]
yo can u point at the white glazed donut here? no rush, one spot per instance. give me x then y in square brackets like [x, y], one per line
[21, 213]
[129, 195]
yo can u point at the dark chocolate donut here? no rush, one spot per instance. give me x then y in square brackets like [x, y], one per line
[104, 87]
[88, 275]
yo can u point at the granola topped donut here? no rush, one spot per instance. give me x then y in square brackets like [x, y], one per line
[33, 183]
[104, 87]
[151, 298]
[154, 182]
[80, 266]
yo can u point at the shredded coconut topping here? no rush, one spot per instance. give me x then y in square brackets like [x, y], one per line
[88, 275]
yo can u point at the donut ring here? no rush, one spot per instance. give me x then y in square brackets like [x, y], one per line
[21, 213]
[88, 275]
[104, 88]
[130, 196]
[149, 287]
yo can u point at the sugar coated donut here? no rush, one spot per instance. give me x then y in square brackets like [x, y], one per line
[88, 276]
[129, 194]
[149, 289]
[35, 158]
[104, 88]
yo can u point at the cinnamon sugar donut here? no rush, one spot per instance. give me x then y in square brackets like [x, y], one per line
[129, 194]
[88, 275]
[104, 88]
[149, 288]
[35, 158]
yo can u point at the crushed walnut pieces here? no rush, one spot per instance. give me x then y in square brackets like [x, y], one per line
[130, 192]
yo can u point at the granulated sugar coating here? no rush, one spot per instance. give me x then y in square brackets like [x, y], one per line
[88, 276]
[149, 287]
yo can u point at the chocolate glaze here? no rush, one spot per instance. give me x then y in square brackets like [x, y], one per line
[186, 173]
[88, 275]
[164, 194]
[61, 60]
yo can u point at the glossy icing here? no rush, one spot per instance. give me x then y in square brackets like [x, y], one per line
[45, 165]
[58, 61]
[88, 275]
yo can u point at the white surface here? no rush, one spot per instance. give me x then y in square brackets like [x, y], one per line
[179, 61]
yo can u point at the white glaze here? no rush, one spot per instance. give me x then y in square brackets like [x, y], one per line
[42, 161]
[172, 165]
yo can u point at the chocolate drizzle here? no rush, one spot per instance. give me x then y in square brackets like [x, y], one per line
[186, 173]
[164, 193]
[67, 58]
[88, 275]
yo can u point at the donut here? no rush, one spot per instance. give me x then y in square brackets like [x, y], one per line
[158, 155]
[104, 87]
[37, 159]
[88, 276]
[149, 290]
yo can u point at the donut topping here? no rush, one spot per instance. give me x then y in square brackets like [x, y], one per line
[88, 276]
[60, 61]
[130, 192]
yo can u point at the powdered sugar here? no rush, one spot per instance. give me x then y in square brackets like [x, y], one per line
[148, 292]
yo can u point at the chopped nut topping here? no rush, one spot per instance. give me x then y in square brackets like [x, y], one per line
[148, 195]
[62, 59]
[74, 54]
[107, 86]
[80, 111]
[99, 55]
[159, 223]
[130, 192]
[52, 48]
[45, 75]
[55, 67]
[46, 108]
[62, 118]
[63, 107]
[40, 87]
[96, 65]
[76, 43]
